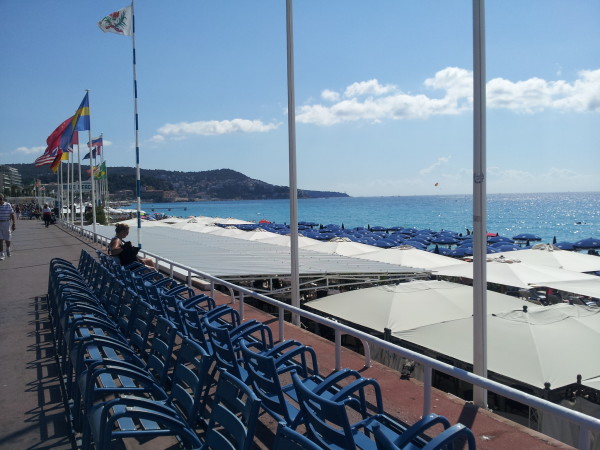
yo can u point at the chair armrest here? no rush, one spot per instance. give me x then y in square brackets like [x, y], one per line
[458, 431]
[419, 428]
[335, 378]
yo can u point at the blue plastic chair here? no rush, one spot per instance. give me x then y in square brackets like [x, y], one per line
[132, 417]
[453, 437]
[235, 409]
[288, 439]
[327, 421]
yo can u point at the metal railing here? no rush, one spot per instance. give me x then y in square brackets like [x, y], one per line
[587, 424]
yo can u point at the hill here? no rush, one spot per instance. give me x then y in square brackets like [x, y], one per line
[167, 185]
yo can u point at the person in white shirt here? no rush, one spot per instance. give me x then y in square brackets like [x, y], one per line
[7, 214]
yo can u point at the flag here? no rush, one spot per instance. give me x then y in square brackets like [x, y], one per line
[56, 163]
[96, 142]
[46, 158]
[120, 22]
[53, 141]
[100, 171]
[75, 139]
[94, 153]
[96, 145]
[79, 122]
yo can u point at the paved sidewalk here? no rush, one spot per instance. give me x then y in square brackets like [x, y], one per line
[32, 414]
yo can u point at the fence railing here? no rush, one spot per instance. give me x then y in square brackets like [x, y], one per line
[587, 424]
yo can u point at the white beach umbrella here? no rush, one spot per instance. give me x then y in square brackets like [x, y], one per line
[344, 248]
[513, 273]
[412, 257]
[589, 287]
[538, 346]
[551, 256]
[408, 305]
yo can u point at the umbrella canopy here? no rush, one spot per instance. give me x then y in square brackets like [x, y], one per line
[588, 243]
[565, 245]
[526, 237]
[560, 259]
[410, 257]
[340, 248]
[533, 347]
[587, 288]
[511, 272]
[406, 306]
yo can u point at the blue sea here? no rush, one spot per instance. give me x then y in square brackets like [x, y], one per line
[566, 216]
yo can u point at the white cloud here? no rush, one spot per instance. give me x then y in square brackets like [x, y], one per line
[330, 96]
[212, 127]
[442, 160]
[374, 102]
[371, 87]
[30, 150]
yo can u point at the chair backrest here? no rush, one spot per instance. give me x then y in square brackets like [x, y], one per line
[326, 421]
[191, 380]
[192, 326]
[265, 382]
[161, 349]
[288, 439]
[141, 327]
[223, 351]
[234, 415]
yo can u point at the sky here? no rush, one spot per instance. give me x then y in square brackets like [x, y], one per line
[383, 90]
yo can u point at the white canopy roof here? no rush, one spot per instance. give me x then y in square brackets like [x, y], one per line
[412, 257]
[409, 305]
[545, 344]
[230, 258]
[550, 256]
[515, 273]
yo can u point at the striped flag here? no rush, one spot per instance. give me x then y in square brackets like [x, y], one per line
[47, 158]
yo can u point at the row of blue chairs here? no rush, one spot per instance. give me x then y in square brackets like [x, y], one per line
[137, 347]
[133, 373]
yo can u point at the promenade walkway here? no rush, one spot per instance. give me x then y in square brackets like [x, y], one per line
[31, 410]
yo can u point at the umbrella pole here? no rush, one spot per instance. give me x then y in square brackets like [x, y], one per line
[479, 204]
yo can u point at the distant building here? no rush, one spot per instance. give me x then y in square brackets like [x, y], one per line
[10, 179]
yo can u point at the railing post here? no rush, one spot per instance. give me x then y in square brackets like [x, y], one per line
[281, 321]
[241, 306]
[427, 371]
[338, 349]
[584, 438]
[367, 349]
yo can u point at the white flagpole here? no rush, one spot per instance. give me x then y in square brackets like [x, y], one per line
[479, 204]
[70, 186]
[80, 185]
[295, 269]
[92, 163]
[137, 141]
[73, 185]
[58, 175]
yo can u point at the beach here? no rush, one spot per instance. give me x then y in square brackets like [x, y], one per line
[566, 216]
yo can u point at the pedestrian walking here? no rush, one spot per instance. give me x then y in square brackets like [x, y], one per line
[47, 214]
[7, 214]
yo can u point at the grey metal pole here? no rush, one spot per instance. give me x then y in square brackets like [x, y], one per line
[479, 204]
[295, 269]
